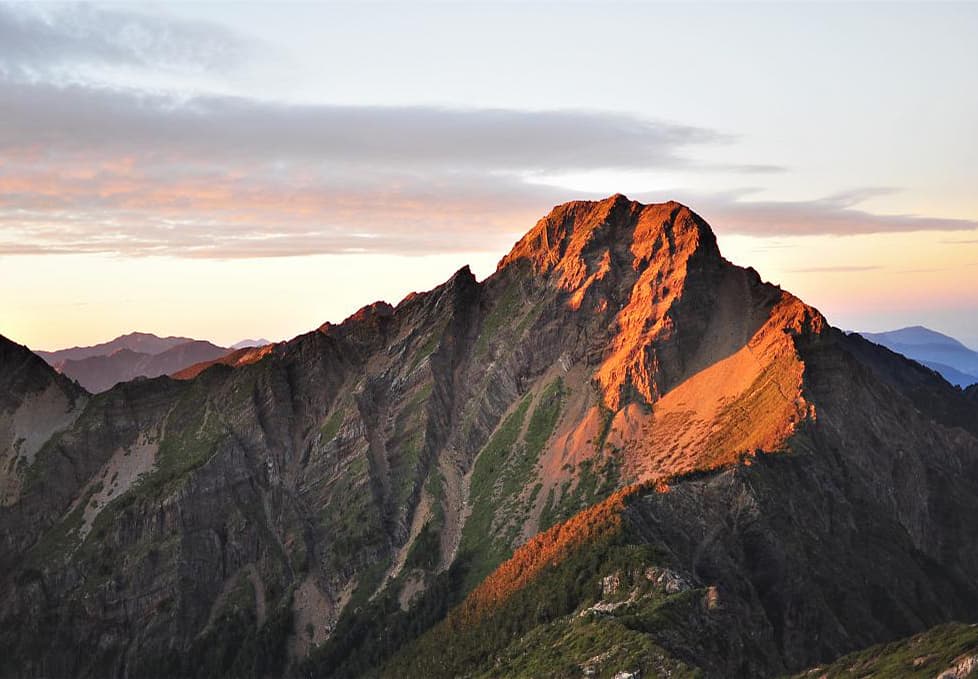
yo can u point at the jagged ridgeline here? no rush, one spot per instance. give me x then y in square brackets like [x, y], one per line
[618, 453]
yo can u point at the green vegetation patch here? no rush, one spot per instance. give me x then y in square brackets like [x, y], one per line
[351, 517]
[367, 635]
[430, 345]
[501, 492]
[544, 419]
[59, 541]
[234, 646]
[331, 427]
[193, 431]
[488, 475]
[540, 631]
[922, 656]
[425, 552]
[593, 480]
[607, 418]
[408, 443]
[502, 313]
[571, 646]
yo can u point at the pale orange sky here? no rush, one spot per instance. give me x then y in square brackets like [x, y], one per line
[187, 169]
[48, 301]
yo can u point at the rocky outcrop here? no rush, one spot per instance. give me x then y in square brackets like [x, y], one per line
[972, 393]
[293, 500]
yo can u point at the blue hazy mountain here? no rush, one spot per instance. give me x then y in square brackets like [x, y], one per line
[953, 360]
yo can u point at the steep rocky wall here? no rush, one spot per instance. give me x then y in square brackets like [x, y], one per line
[858, 532]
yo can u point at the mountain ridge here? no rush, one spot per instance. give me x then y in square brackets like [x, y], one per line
[142, 342]
[314, 511]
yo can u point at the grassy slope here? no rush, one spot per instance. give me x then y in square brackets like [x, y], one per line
[529, 617]
[925, 655]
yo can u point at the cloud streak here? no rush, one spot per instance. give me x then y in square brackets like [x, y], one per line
[84, 120]
[85, 169]
[38, 39]
[835, 269]
[834, 215]
[98, 170]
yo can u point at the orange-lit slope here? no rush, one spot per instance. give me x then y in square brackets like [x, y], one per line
[693, 359]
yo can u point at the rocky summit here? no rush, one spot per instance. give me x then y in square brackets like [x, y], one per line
[619, 455]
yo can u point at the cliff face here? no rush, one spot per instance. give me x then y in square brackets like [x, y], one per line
[258, 517]
[858, 530]
[35, 404]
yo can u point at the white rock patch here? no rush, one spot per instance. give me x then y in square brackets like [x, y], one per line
[115, 478]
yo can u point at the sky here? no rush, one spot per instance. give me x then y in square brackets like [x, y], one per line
[237, 170]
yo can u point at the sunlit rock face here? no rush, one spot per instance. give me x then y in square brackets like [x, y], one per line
[243, 519]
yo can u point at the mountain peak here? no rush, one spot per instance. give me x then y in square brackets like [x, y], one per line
[579, 237]
[786, 472]
[670, 309]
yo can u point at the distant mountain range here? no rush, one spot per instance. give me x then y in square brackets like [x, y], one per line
[141, 342]
[953, 360]
[138, 354]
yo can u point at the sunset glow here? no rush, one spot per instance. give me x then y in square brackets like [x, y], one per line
[194, 178]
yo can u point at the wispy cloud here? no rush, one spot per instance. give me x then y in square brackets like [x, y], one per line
[835, 215]
[38, 39]
[212, 130]
[100, 170]
[835, 269]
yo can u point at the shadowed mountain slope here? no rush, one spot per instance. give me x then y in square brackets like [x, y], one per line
[35, 404]
[312, 507]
